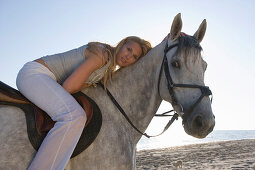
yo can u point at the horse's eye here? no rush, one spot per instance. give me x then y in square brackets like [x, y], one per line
[175, 64]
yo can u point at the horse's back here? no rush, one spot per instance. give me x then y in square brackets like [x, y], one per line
[16, 150]
[108, 151]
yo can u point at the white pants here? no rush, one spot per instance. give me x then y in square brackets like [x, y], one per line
[39, 85]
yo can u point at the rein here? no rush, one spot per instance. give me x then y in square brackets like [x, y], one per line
[171, 85]
[174, 117]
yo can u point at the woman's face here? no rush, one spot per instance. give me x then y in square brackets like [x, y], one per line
[128, 54]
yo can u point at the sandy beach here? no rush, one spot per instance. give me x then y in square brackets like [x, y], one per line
[217, 155]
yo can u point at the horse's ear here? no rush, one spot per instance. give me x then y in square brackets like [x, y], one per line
[199, 35]
[176, 27]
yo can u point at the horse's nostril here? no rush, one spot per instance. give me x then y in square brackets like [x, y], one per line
[198, 122]
[211, 129]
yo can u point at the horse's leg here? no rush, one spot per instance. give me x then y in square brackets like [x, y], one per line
[112, 149]
[16, 150]
[97, 160]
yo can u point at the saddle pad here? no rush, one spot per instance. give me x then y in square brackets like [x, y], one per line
[89, 133]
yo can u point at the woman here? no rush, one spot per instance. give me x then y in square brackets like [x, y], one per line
[49, 82]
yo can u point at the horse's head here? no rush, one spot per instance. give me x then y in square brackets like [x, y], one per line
[182, 80]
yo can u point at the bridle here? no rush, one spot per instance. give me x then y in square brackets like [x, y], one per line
[171, 85]
[205, 91]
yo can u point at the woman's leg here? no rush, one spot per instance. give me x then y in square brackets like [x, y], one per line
[37, 83]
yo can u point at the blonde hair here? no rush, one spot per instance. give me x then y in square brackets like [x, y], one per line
[113, 51]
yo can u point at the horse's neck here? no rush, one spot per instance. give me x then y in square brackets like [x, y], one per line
[136, 88]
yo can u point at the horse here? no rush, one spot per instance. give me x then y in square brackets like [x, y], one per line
[139, 89]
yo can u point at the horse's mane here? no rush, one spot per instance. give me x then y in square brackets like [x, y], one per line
[189, 47]
[188, 42]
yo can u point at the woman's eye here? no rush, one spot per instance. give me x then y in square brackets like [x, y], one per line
[175, 64]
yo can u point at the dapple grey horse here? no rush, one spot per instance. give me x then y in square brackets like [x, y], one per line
[139, 89]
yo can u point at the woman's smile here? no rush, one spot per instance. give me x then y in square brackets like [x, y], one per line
[129, 53]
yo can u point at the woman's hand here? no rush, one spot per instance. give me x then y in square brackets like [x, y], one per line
[182, 34]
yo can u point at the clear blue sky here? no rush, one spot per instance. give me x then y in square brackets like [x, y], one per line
[30, 29]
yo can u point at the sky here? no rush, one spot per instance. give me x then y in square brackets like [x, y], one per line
[31, 29]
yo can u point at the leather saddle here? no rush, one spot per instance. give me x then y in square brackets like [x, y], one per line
[39, 123]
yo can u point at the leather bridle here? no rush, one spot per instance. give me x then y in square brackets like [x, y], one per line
[171, 85]
[205, 91]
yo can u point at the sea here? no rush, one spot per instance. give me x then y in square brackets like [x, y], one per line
[180, 139]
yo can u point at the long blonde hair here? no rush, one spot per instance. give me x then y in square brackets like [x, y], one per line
[113, 51]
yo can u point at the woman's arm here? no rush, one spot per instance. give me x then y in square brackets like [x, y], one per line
[77, 79]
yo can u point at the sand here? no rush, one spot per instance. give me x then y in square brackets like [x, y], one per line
[238, 154]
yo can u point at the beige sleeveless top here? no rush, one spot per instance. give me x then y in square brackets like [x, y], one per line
[97, 75]
[63, 64]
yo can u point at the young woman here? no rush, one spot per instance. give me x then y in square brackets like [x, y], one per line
[49, 82]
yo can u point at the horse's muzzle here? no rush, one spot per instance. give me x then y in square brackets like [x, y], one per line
[199, 125]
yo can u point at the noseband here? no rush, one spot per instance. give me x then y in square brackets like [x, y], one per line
[205, 91]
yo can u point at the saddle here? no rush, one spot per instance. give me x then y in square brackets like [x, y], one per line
[39, 123]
